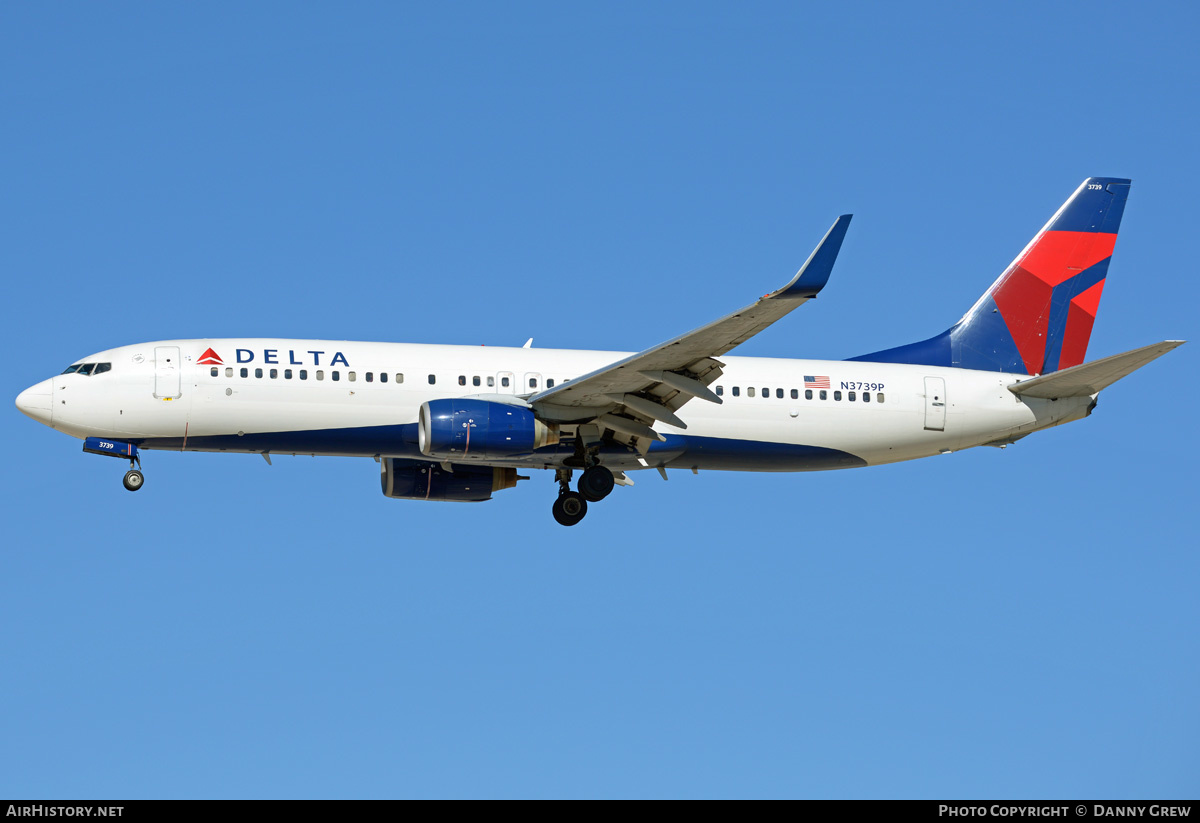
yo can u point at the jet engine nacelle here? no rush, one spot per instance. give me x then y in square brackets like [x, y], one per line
[418, 480]
[458, 428]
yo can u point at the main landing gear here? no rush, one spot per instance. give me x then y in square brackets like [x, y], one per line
[595, 484]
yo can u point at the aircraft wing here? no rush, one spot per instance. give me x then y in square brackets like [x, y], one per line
[628, 396]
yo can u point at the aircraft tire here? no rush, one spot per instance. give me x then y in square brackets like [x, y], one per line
[596, 483]
[133, 480]
[569, 508]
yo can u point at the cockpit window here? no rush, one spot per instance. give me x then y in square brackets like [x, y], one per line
[87, 369]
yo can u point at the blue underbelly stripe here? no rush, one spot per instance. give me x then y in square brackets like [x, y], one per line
[679, 451]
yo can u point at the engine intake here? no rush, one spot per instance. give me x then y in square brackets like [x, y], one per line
[459, 428]
[418, 480]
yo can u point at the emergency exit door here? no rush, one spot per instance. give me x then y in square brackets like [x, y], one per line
[166, 372]
[935, 404]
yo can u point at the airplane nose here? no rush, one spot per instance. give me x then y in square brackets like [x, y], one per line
[36, 401]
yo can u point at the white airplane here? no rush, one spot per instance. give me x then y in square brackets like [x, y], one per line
[458, 422]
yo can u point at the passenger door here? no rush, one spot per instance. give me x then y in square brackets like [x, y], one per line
[166, 372]
[935, 404]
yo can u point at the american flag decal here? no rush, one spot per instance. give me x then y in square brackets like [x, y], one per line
[820, 381]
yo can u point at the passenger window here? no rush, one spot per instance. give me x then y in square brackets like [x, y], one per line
[245, 372]
[850, 396]
[491, 382]
[432, 379]
[462, 380]
[320, 374]
[351, 376]
[837, 395]
[779, 394]
[879, 397]
[550, 383]
[101, 368]
[287, 374]
[383, 377]
[229, 372]
[808, 394]
[533, 382]
[399, 377]
[258, 372]
[475, 380]
[866, 397]
[749, 391]
[335, 376]
[737, 390]
[504, 382]
[304, 374]
[824, 395]
[213, 371]
[795, 394]
[86, 369]
[274, 374]
[720, 391]
[370, 377]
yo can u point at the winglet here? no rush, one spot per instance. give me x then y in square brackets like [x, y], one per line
[814, 274]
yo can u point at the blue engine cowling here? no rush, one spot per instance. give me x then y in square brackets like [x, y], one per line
[418, 480]
[465, 428]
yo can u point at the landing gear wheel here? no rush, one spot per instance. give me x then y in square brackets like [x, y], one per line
[569, 508]
[596, 483]
[133, 480]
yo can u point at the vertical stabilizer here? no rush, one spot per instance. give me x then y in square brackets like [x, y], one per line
[1037, 317]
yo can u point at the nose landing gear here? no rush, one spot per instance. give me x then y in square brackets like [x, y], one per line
[124, 451]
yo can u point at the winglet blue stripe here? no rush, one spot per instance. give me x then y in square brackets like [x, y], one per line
[814, 274]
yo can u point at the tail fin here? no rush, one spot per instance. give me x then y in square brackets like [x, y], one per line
[1037, 317]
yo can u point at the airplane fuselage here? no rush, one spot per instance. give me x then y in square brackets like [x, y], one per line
[318, 397]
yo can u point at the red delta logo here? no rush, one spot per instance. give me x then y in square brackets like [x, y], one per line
[211, 357]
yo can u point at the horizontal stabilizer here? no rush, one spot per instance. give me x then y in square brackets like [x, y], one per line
[1089, 378]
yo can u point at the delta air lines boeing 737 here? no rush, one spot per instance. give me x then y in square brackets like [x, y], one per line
[459, 422]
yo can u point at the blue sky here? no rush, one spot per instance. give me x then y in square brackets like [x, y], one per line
[1008, 624]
